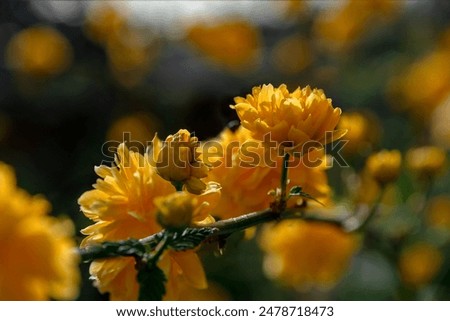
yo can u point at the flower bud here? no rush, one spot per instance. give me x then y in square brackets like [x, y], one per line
[178, 161]
[384, 166]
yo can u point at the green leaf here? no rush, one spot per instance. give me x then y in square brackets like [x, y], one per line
[190, 238]
[298, 191]
[152, 281]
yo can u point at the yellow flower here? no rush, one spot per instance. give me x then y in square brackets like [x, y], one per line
[341, 27]
[178, 161]
[122, 206]
[305, 255]
[234, 44]
[362, 132]
[384, 166]
[181, 209]
[424, 85]
[39, 260]
[290, 119]
[104, 22]
[292, 54]
[426, 161]
[438, 212]
[134, 128]
[39, 51]
[246, 172]
[130, 50]
[440, 124]
[131, 54]
[419, 264]
[294, 8]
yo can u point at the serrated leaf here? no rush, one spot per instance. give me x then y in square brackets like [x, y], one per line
[130, 247]
[298, 191]
[190, 238]
[152, 283]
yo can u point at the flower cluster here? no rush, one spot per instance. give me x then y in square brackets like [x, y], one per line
[173, 186]
[130, 199]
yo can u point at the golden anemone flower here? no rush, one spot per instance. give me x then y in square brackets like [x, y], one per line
[39, 51]
[38, 254]
[384, 166]
[177, 160]
[426, 161]
[419, 264]
[307, 255]
[122, 205]
[247, 171]
[290, 119]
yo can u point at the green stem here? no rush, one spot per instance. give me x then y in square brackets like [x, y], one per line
[178, 185]
[284, 182]
[159, 241]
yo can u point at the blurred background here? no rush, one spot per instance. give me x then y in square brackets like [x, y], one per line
[77, 74]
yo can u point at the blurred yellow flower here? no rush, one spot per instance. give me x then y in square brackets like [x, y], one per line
[426, 161]
[130, 50]
[234, 44]
[292, 54]
[291, 119]
[131, 54]
[362, 133]
[246, 182]
[307, 255]
[367, 190]
[135, 127]
[122, 206]
[384, 166]
[177, 160]
[340, 27]
[293, 8]
[39, 51]
[104, 22]
[419, 263]
[424, 85]
[38, 254]
[440, 124]
[438, 212]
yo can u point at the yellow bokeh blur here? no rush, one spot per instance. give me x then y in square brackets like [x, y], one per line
[39, 51]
